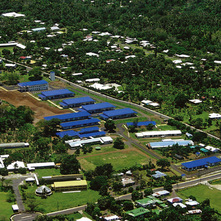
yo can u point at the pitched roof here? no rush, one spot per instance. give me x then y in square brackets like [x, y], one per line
[32, 83]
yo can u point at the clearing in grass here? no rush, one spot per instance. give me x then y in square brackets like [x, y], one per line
[5, 208]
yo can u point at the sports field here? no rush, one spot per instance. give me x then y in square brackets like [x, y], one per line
[119, 159]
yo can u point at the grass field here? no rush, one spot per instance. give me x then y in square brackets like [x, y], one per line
[47, 172]
[119, 160]
[60, 201]
[5, 208]
[202, 192]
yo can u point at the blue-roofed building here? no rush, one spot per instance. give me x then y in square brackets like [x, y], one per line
[118, 114]
[76, 102]
[70, 133]
[201, 163]
[169, 143]
[88, 130]
[70, 117]
[140, 124]
[33, 86]
[80, 123]
[98, 108]
[55, 94]
[94, 134]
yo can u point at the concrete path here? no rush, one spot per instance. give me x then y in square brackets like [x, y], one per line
[15, 184]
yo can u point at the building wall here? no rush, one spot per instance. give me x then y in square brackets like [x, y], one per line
[70, 188]
[34, 88]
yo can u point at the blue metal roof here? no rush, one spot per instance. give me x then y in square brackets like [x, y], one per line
[95, 134]
[77, 100]
[88, 130]
[32, 83]
[57, 92]
[142, 123]
[69, 116]
[98, 106]
[171, 143]
[201, 162]
[119, 112]
[70, 133]
[80, 123]
[103, 116]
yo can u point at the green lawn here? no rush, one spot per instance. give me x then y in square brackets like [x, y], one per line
[5, 208]
[119, 160]
[47, 172]
[202, 192]
[104, 149]
[60, 201]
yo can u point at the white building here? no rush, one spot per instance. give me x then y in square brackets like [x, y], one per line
[158, 133]
[16, 165]
[12, 14]
[215, 116]
[33, 166]
[195, 101]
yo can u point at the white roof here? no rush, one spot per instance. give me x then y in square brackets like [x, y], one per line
[158, 133]
[15, 207]
[16, 164]
[92, 80]
[217, 62]
[177, 61]
[130, 56]
[105, 33]
[154, 104]
[192, 203]
[179, 204]
[212, 149]
[10, 65]
[30, 179]
[1, 163]
[38, 165]
[146, 101]
[195, 211]
[77, 74]
[99, 86]
[166, 51]
[161, 193]
[12, 14]
[114, 217]
[215, 116]
[83, 219]
[21, 46]
[196, 101]
[106, 139]
[92, 54]
[55, 28]
[182, 55]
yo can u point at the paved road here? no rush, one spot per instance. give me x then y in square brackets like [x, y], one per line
[24, 217]
[15, 184]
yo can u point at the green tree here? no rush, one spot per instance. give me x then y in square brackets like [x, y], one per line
[69, 165]
[136, 195]
[110, 125]
[148, 192]
[163, 163]
[35, 74]
[118, 143]
[168, 186]
[128, 205]
[180, 100]
[98, 182]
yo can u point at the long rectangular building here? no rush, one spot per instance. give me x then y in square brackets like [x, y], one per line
[55, 94]
[80, 123]
[70, 117]
[33, 86]
[118, 114]
[169, 143]
[76, 102]
[158, 133]
[140, 124]
[201, 163]
[98, 108]
[70, 185]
